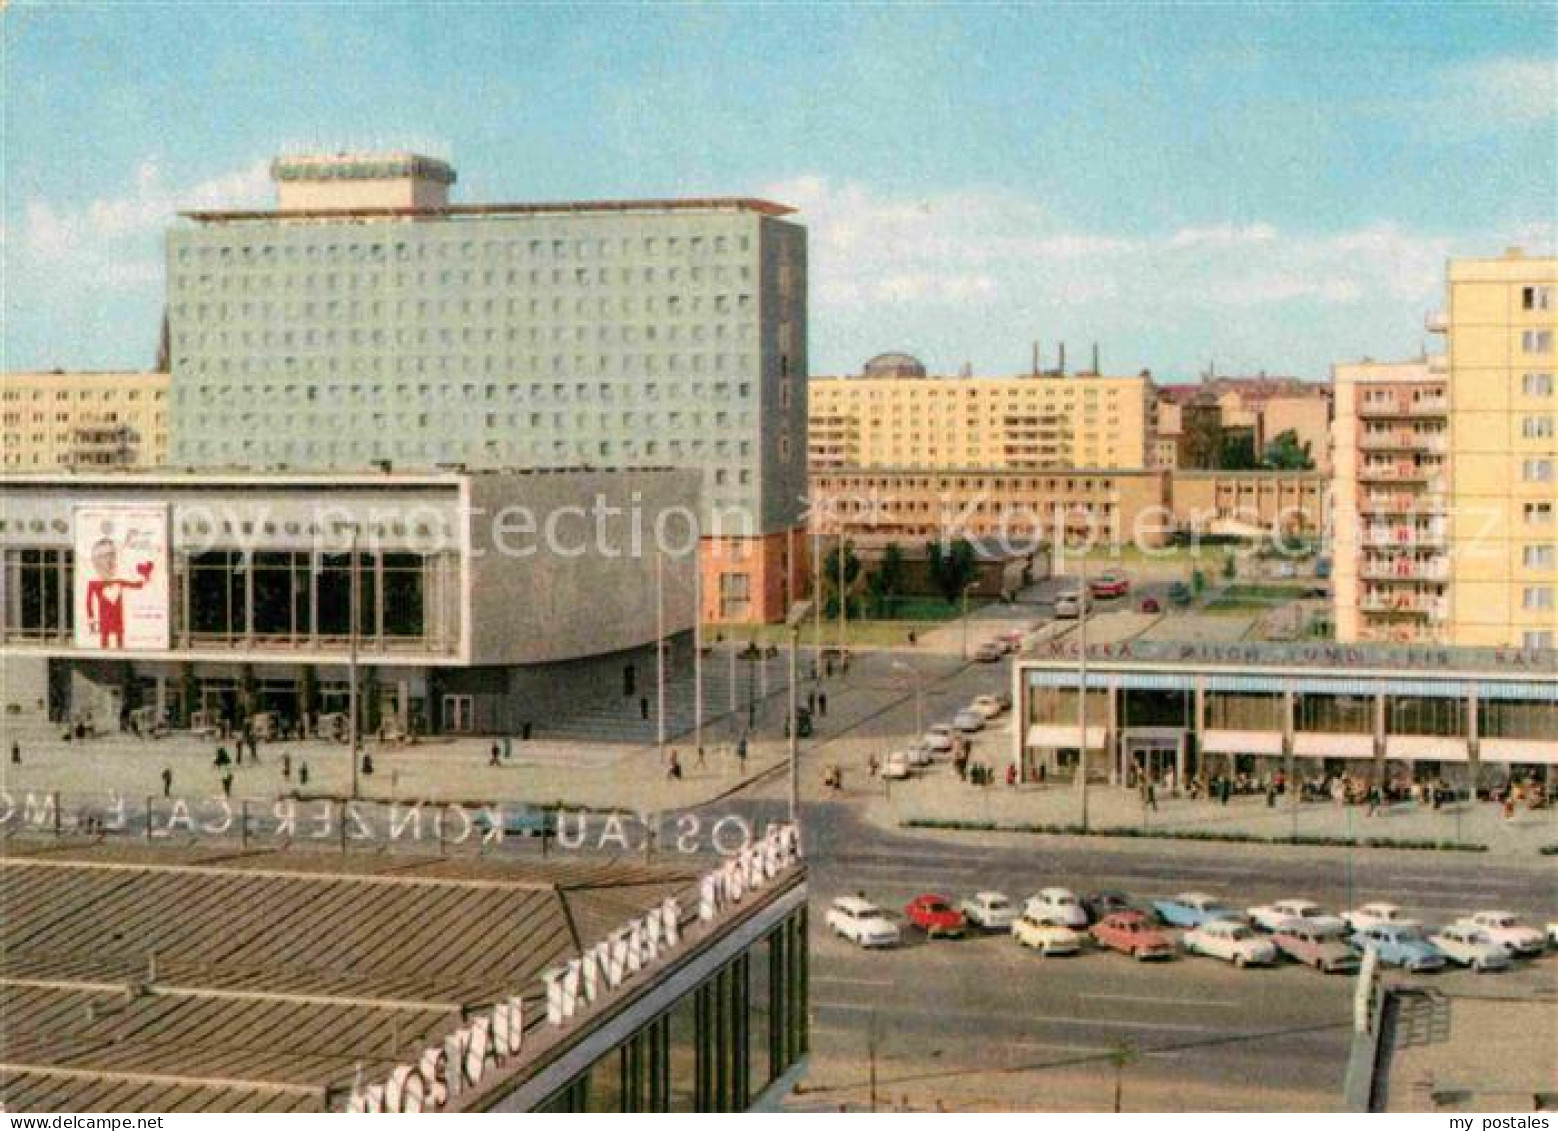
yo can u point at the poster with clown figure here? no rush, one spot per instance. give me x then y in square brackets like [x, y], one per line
[121, 577]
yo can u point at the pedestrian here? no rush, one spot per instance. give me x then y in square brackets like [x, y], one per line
[16, 753]
[1271, 795]
[367, 765]
[508, 748]
[286, 767]
[1227, 789]
[525, 730]
[227, 784]
[811, 702]
[222, 760]
[741, 753]
[167, 781]
[238, 750]
[494, 756]
[303, 775]
[1152, 797]
[822, 704]
[872, 765]
[1509, 806]
[701, 762]
[1042, 769]
[1011, 777]
[673, 767]
[1374, 799]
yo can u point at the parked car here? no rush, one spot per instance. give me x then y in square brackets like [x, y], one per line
[917, 755]
[1057, 905]
[1469, 945]
[1179, 595]
[804, 726]
[1129, 932]
[989, 652]
[1232, 942]
[1046, 938]
[1098, 904]
[989, 910]
[1070, 606]
[1506, 929]
[968, 721]
[1110, 584]
[938, 738]
[1192, 908]
[987, 705]
[1268, 916]
[1151, 605]
[1308, 942]
[1376, 915]
[1400, 944]
[895, 767]
[935, 915]
[862, 922]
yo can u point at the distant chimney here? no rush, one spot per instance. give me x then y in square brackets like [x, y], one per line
[1035, 358]
[1060, 366]
[1096, 370]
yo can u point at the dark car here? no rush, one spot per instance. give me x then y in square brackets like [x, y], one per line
[1099, 904]
[803, 723]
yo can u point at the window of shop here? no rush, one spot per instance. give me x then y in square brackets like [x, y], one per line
[1234, 711]
[37, 593]
[1406, 714]
[1516, 718]
[1335, 714]
[217, 594]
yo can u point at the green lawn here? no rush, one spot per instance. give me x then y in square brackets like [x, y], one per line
[924, 614]
[1238, 598]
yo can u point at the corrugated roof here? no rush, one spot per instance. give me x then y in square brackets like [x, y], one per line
[208, 978]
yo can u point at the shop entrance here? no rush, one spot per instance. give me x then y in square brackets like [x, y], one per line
[459, 714]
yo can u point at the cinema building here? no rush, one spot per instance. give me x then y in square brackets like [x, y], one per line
[481, 598]
[1394, 713]
[387, 982]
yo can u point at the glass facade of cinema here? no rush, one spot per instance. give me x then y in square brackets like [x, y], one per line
[719, 1047]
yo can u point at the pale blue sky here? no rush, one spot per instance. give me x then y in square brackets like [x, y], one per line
[1268, 187]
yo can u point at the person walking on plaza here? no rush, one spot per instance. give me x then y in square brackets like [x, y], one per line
[643, 707]
[16, 753]
[222, 760]
[811, 702]
[1151, 796]
[167, 781]
[303, 775]
[822, 704]
[227, 784]
[673, 767]
[286, 767]
[700, 762]
[1227, 789]
[495, 756]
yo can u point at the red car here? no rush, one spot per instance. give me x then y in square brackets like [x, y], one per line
[935, 915]
[1151, 605]
[1129, 932]
[1110, 585]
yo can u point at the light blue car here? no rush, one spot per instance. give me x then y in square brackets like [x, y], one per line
[1193, 909]
[1400, 945]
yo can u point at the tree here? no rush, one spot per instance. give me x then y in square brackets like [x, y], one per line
[1236, 452]
[1287, 453]
[830, 575]
[885, 584]
[952, 567]
[1122, 1056]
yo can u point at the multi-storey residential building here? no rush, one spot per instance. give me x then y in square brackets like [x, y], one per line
[1502, 329]
[369, 320]
[60, 419]
[1390, 490]
[894, 416]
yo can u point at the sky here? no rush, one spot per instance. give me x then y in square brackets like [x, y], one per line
[1255, 187]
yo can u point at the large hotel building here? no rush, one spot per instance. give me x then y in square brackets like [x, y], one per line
[369, 320]
[57, 420]
[1446, 481]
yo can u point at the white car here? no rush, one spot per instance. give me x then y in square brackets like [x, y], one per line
[968, 721]
[990, 910]
[1232, 942]
[1378, 915]
[1471, 946]
[1046, 938]
[896, 766]
[1070, 606]
[938, 738]
[1506, 929]
[1057, 905]
[989, 706]
[862, 922]
[1268, 916]
[918, 756]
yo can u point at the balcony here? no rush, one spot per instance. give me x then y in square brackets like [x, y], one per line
[1405, 604]
[1380, 536]
[1405, 570]
[1398, 471]
[1405, 440]
[1403, 406]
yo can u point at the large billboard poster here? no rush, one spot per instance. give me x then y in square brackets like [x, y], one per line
[122, 577]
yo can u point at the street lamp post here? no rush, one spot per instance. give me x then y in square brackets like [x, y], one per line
[796, 618]
[1082, 694]
[697, 646]
[353, 590]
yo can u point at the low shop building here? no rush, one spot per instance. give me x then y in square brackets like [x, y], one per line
[213, 977]
[1177, 710]
[473, 601]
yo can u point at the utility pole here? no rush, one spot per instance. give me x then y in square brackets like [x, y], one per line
[816, 599]
[1082, 691]
[697, 644]
[353, 588]
[794, 620]
[966, 589]
[660, 652]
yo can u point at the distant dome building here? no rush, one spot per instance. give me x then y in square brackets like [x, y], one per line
[893, 365]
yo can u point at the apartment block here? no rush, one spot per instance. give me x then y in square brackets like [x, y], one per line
[368, 320]
[895, 416]
[58, 419]
[1391, 492]
[1501, 326]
